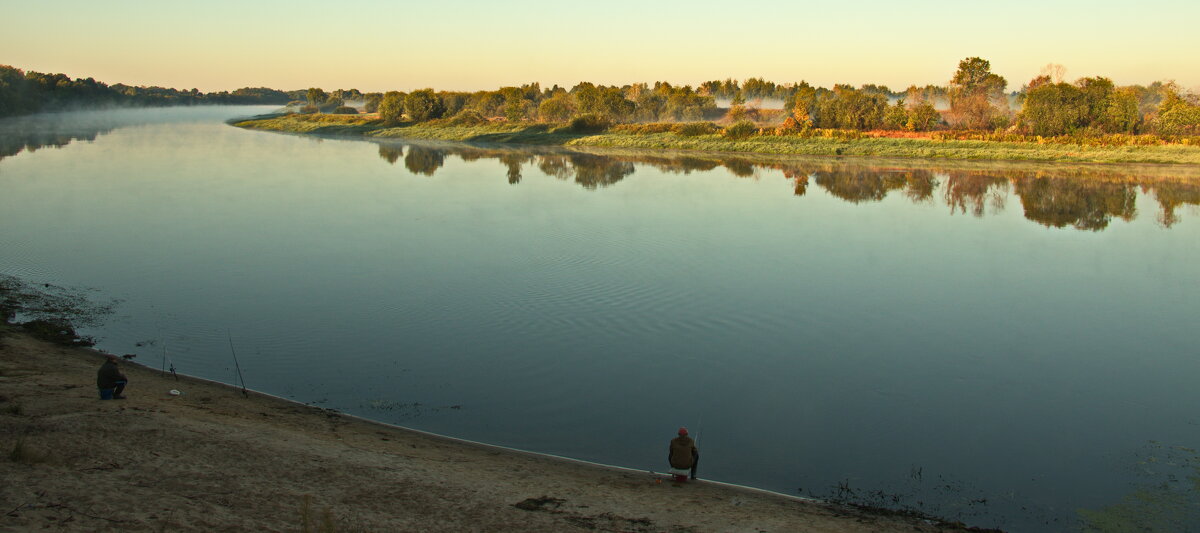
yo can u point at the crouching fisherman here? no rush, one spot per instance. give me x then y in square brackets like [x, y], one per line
[683, 456]
[110, 380]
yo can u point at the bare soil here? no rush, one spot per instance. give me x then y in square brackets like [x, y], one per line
[213, 460]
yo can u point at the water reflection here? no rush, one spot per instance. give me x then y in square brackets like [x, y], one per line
[17, 137]
[56, 130]
[1056, 196]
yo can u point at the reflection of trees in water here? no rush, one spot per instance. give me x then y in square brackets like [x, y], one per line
[513, 160]
[592, 171]
[1086, 205]
[919, 185]
[391, 153]
[973, 191]
[555, 166]
[1171, 195]
[421, 160]
[860, 185]
[799, 177]
[1086, 198]
[740, 167]
[14, 141]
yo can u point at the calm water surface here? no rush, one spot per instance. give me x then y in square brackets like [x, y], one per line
[1009, 346]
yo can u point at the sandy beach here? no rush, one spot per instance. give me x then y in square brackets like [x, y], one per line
[211, 459]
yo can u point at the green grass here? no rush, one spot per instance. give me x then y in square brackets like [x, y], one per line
[543, 134]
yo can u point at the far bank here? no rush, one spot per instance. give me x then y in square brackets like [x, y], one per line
[713, 139]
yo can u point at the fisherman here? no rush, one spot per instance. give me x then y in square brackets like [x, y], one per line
[110, 380]
[683, 456]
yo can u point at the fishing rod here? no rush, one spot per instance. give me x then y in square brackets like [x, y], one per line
[236, 365]
[166, 358]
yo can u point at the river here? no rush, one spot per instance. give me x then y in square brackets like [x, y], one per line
[1007, 345]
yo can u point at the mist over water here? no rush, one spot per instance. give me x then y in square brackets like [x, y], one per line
[999, 344]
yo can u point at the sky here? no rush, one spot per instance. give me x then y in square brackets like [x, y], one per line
[380, 45]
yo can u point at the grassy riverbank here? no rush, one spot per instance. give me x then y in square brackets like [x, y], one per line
[549, 134]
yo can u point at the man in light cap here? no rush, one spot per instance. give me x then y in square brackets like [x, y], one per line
[110, 380]
[683, 456]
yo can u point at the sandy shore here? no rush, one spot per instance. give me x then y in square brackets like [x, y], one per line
[213, 460]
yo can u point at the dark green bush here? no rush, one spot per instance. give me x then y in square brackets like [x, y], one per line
[344, 110]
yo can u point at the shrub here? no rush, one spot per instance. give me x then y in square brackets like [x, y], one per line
[741, 130]
[692, 129]
[645, 129]
[737, 113]
[467, 117]
[344, 110]
[589, 123]
[791, 126]
[308, 109]
[922, 117]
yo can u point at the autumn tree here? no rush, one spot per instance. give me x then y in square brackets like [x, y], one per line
[1177, 116]
[1120, 113]
[977, 99]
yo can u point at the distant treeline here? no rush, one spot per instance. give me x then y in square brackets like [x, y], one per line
[975, 99]
[30, 92]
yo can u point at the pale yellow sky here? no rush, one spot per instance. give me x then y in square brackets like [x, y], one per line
[471, 45]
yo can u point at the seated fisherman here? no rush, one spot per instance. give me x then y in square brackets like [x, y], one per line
[683, 456]
[110, 380]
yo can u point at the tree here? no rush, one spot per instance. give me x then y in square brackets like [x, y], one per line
[331, 103]
[371, 102]
[1121, 112]
[1096, 92]
[423, 105]
[922, 117]
[316, 96]
[453, 102]
[607, 102]
[557, 108]
[516, 107]
[896, 116]
[976, 95]
[1177, 116]
[391, 107]
[1054, 109]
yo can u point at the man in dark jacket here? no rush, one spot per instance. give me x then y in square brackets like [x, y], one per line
[110, 380]
[683, 454]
